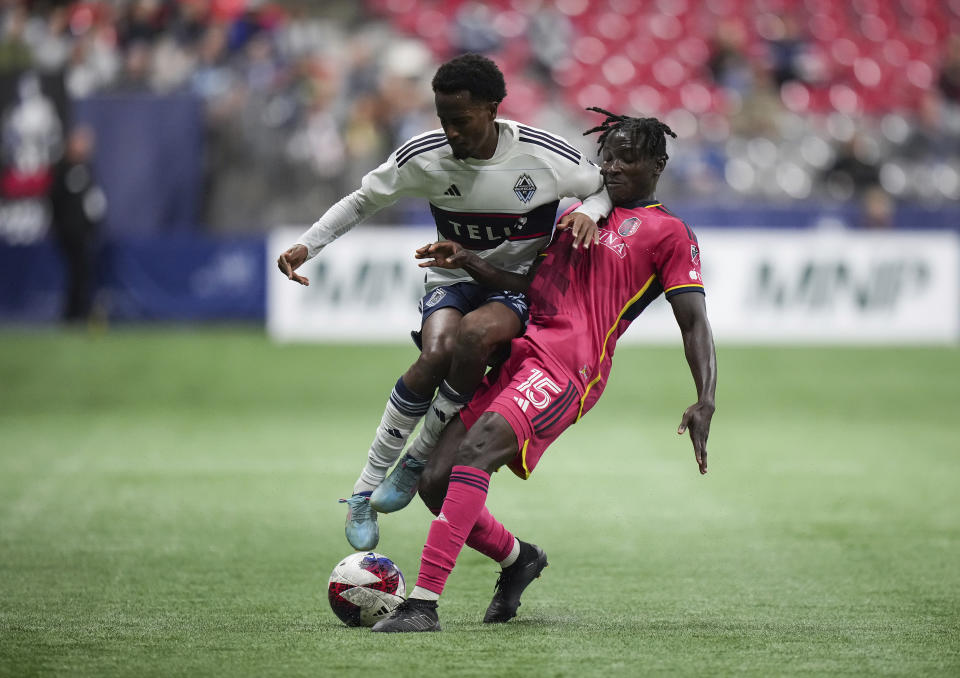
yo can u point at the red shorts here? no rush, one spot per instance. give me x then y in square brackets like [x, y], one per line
[536, 398]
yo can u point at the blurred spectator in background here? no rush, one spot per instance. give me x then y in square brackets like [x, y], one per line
[140, 22]
[137, 69]
[404, 86]
[212, 77]
[77, 206]
[15, 54]
[876, 209]
[929, 137]
[787, 45]
[189, 22]
[550, 33]
[729, 64]
[949, 81]
[855, 169]
[474, 30]
[760, 110]
[94, 62]
[50, 41]
[30, 140]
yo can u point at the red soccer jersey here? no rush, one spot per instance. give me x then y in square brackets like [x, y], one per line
[582, 301]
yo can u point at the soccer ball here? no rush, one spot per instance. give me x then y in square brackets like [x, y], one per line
[365, 588]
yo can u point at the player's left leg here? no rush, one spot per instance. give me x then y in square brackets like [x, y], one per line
[404, 408]
[482, 332]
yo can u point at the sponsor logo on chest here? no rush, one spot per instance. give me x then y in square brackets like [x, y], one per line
[477, 230]
[614, 242]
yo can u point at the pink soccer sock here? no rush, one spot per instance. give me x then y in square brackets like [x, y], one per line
[466, 496]
[488, 536]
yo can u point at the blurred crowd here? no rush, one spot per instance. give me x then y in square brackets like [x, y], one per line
[773, 101]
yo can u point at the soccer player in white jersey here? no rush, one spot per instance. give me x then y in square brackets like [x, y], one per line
[494, 186]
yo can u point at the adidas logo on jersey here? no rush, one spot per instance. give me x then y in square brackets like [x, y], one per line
[453, 191]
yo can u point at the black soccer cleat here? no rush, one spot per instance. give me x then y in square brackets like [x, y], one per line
[512, 582]
[411, 616]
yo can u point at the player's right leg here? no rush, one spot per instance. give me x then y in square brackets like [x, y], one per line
[520, 561]
[482, 331]
[539, 402]
[488, 535]
[408, 402]
[482, 451]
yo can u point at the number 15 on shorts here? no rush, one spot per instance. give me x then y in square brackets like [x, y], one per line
[537, 389]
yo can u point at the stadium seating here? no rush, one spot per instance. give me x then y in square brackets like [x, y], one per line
[875, 63]
[883, 54]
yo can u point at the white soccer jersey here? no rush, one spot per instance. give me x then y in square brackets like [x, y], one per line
[502, 208]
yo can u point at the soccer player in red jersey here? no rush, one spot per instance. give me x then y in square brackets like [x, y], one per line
[581, 303]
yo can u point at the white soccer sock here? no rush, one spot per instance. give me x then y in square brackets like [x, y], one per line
[514, 554]
[403, 411]
[423, 594]
[442, 410]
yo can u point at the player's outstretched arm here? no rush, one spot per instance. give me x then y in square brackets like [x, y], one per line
[290, 261]
[690, 310]
[449, 254]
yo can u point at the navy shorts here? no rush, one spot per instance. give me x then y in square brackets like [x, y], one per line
[466, 297]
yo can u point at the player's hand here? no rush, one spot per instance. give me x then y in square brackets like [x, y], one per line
[290, 261]
[443, 254]
[697, 418]
[583, 228]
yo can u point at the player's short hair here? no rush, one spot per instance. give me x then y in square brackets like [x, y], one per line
[474, 73]
[647, 134]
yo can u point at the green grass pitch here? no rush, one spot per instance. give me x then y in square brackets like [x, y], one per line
[168, 507]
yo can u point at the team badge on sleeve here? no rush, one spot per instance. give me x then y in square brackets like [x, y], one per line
[525, 188]
[629, 226]
[694, 254]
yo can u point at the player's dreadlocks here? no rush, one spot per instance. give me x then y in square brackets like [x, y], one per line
[646, 133]
[472, 72]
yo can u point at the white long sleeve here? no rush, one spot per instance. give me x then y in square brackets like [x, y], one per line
[586, 182]
[340, 218]
[380, 188]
